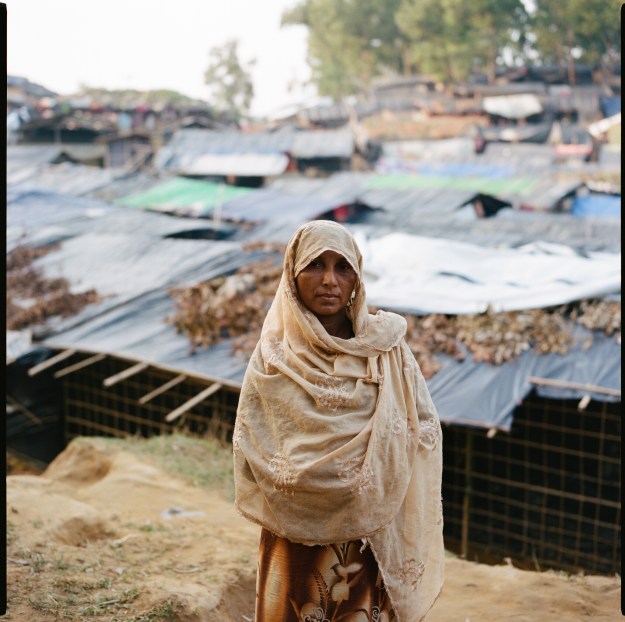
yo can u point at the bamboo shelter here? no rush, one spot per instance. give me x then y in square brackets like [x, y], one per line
[547, 494]
[104, 395]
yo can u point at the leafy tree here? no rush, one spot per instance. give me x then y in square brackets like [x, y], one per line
[133, 97]
[230, 81]
[452, 38]
[588, 30]
[437, 31]
[494, 26]
[350, 42]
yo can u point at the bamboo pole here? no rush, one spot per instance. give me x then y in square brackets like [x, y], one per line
[15, 405]
[565, 384]
[57, 358]
[165, 387]
[468, 488]
[174, 414]
[122, 375]
[85, 363]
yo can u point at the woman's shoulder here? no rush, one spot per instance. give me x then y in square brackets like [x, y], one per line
[389, 319]
[386, 326]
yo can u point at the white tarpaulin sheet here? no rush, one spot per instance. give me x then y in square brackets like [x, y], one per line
[513, 106]
[240, 164]
[430, 275]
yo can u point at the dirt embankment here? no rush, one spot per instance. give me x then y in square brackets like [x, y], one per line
[139, 531]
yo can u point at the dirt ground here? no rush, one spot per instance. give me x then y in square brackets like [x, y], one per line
[107, 532]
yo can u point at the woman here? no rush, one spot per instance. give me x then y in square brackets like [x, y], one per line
[338, 449]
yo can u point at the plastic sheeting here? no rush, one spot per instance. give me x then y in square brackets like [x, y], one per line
[138, 331]
[486, 185]
[259, 153]
[513, 106]
[121, 252]
[240, 164]
[485, 395]
[425, 275]
[601, 205]
[465, 393]
[38, 217]
[184, 196]
[268, 204]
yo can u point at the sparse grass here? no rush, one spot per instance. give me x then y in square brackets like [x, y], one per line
[203, 462]
[75, 600]
[166, 610]
[11, 533]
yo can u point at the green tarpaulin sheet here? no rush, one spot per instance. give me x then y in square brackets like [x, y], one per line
[182, 195]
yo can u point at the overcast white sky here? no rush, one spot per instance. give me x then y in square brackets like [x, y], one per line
[150, 44]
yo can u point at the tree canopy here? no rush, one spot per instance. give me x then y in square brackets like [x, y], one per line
[351, 42]
[229, 80]
[588, 30]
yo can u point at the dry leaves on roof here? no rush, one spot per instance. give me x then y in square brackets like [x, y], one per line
[228, 306]
[31, 298]
[603, 315]
[235, 307]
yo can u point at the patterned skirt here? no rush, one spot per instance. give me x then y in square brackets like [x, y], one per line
[330, 583]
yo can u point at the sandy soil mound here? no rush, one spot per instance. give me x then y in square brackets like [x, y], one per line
[107, 534]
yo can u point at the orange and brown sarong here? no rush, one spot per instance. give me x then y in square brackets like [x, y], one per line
[322, 583]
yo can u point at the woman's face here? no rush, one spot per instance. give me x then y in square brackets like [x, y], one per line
[326, 284]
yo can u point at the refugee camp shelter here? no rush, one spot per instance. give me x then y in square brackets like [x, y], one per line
[130, 150]
[248, 158]
[531, 443]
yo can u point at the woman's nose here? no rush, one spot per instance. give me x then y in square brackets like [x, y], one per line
[329, 277]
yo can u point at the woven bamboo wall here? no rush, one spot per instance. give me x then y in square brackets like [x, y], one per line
[546, 495]
[93, 409]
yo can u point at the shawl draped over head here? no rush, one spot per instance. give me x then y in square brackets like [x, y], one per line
[338, 439]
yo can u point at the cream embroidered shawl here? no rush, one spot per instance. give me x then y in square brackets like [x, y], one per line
[338, 439]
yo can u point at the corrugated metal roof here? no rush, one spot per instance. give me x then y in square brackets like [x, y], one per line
[410, 205]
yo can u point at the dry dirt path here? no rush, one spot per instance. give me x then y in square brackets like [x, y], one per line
[105, 535]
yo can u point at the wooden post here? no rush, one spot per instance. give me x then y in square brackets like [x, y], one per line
[468, 487]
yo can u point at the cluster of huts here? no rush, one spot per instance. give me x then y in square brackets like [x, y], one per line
[531, 442]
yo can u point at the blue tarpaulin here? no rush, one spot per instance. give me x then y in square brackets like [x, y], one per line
[609, 105]
[597, 205]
